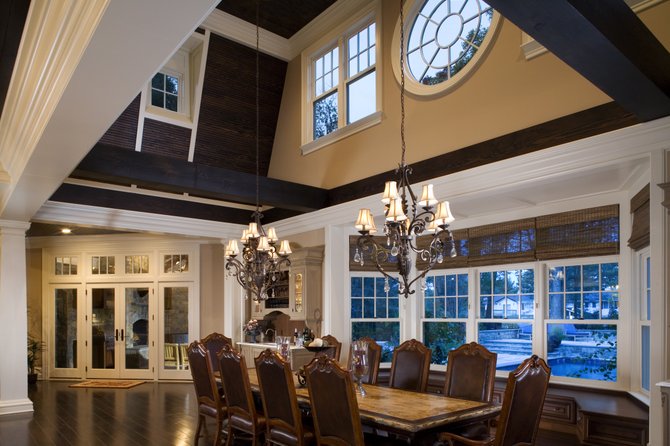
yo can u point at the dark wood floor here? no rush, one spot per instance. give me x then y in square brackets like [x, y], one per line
[146, 415]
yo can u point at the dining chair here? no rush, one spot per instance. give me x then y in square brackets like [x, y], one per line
[410, 366]
[242, 414]
[284, 424]
[374, 360]
[171, 355]
[332, 340]
[334, 405]
[214, 342]
[471, 373]
[521, 408]
[209, 401]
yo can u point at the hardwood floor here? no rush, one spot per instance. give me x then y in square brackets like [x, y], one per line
[146, 415]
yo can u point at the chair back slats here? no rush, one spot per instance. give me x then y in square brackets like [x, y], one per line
[374, 360]
[235, 379]
[333, 401]
[280, 403]
[214, 342]
[471, 373]
[522, 404]
[410, 366]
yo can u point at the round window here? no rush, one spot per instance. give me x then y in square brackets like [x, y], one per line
[445, 37]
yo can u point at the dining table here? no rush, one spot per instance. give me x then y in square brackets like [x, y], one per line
[415, 416]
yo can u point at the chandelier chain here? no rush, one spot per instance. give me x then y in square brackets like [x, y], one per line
[402, 81]
[258, 189]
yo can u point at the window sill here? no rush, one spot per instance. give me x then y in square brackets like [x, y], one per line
[342, 133]
[169, 117]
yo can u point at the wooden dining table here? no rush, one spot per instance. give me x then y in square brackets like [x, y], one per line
[412, 415]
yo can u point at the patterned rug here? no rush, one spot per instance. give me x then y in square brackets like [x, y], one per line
[108, 384]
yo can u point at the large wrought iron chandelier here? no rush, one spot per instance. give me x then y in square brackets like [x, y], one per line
[262, 260]
[406, 218]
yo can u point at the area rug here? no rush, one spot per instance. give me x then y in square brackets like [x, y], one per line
[108, 384]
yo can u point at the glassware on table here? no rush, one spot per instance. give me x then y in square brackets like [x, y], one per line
[284, 347]
[359, 363]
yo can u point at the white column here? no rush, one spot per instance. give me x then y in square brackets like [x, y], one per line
[13, 318]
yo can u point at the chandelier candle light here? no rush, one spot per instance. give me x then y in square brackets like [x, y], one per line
[262, 260]
[406, 217]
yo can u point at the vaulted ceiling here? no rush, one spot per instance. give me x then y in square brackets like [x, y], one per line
[606, 43]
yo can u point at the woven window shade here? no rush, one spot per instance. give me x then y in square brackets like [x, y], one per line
[368, 265]
[582, 233]
[506, 242]
[639, 207]
[461, 259]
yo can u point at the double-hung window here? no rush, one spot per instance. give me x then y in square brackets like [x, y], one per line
[644, 289]
[341, 82]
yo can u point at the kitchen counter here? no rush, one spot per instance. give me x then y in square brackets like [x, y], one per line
[299, 355]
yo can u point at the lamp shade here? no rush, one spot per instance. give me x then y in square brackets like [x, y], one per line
[245, 236]
[443, 214]
[232, 249]
[395, 212]
[390, 192]
[365, 221]
[252, 232]
[284, 248]
[272, 234]
[263, 244]
[427, 196]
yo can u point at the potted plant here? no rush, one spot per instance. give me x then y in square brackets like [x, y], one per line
[35, 347]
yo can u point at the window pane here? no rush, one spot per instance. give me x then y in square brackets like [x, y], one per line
[368, 308]
[556, 306]
[171, 102]
[441, 337]
[356, 308]
[65, 329]
[591, 277]
[356, 287]
[586, 351]
[171, 85]
[645, 357]
[362, 97]
[158, 81]
[511, 341]
[386, 334]
[157, 98]
[325, 115]
[556, 276]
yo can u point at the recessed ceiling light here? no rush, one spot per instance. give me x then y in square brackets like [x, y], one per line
[66, 231]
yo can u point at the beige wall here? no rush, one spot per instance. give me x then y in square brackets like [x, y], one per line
[505, 94]
[212, 270]
[34, 294]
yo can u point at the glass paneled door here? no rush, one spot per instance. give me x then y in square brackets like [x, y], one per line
[120, 331]
[177, 313]
[65, 307]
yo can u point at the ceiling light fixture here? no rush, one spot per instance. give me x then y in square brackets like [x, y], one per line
[406, 217]
[262, 261]
[66, 231]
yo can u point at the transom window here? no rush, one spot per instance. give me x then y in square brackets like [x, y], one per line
[102, 265]
[175, 263]
[66, 266]
[137, 264]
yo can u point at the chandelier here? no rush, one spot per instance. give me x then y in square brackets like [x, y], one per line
[262, 260]
[406, 218]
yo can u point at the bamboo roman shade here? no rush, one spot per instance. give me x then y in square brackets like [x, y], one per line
[506, 242]
[461, 259]
[639, 208]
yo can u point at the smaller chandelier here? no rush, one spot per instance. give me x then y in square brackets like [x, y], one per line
[262, 260]
[406, 218]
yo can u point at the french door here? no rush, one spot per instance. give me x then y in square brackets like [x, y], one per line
[120, 329]
[66, 311]
[177, 324]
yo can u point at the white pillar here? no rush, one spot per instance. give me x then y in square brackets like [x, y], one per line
[13, 318]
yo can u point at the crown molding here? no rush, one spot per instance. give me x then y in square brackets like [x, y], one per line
[240, 31]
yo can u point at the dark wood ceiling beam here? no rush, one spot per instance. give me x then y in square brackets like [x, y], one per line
[120, 166]
[606, 43]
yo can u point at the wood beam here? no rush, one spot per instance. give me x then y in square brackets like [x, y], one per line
[121, 166]
[606, 43]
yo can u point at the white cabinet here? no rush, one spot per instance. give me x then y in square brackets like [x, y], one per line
[304, 288]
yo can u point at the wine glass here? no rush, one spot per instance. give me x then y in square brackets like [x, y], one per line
[284, 347]
[359, 363]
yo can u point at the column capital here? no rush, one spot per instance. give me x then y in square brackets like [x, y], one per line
[14, 227]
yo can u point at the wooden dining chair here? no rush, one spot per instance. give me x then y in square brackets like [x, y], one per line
[242, 414]
[471, 373]
[209, 400]
[214, 342]
[333, 400]
[521, 408]
[284, 424]
[332, 341]
[374, 360]
[410, 366]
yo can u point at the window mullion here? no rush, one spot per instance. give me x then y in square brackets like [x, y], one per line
[341, 85]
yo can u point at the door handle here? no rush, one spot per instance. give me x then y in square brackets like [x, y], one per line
[116, 336]
[122, 334]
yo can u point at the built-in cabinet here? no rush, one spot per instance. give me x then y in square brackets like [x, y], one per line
[304, 279]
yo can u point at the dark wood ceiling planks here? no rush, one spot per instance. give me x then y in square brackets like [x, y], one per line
[13, 15]
[284, 18]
